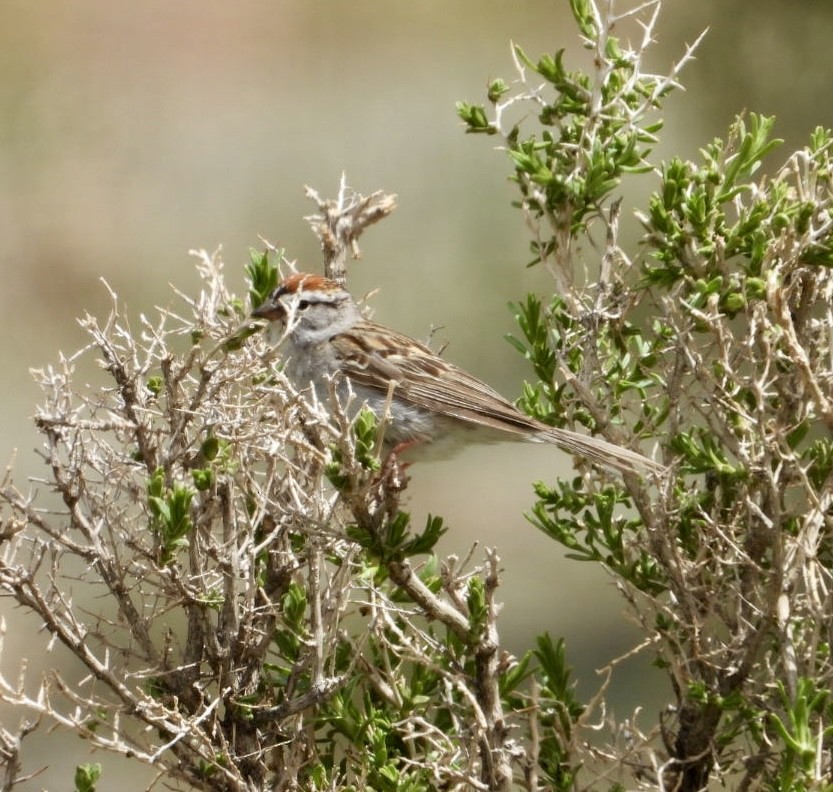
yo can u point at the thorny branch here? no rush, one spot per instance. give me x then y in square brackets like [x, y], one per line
[219, 590]
[240, 583]
[716, 340]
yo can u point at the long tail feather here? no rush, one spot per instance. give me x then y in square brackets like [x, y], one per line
[601, 452]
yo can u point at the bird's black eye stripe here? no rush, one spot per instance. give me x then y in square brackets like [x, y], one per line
[303, 305]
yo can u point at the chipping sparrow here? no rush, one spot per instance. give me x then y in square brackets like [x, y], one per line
[433, 401]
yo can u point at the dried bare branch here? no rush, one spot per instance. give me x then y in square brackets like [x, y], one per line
[340, 222]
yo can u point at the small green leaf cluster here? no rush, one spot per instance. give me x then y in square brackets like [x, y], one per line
[391, 541]
[700, 452]
[207, 769]
[805, 730]
[290, 638]
[695, 224]
[170, 510]
[363, 726]
[262, 273]
[155, 384]
[588, 525]
[214, 458]
[365, 431]
[475, 115]
[561, 711]
[592, 131]
[86, 776]
[620, 361]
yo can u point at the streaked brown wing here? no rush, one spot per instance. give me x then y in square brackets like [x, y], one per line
[371, 358]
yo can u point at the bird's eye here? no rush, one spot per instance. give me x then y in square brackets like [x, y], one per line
[303, 305]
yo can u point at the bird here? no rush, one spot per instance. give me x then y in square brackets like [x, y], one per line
[431, 403]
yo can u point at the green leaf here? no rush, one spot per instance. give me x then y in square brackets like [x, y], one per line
[170, 515]
[475, 118]
[476, 601]
[701, 453]
[203, 479]
[584, 18]
[522, 56]
[294, 606]
[516, 675]
[262, 274]
[497, 88]
[425, 542]
[210, 448]
[555, 676]
[155, 385]
[86, 776]
[365, 431]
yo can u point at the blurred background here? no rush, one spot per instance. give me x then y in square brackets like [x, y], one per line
[131, 133]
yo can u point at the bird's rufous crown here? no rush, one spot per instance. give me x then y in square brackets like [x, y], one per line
[304, 281]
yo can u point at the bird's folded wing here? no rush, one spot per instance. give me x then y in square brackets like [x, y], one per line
[370, 356]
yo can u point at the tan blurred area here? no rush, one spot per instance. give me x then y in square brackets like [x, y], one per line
[131, 133]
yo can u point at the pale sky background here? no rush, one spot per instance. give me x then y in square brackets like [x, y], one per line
[130, 133]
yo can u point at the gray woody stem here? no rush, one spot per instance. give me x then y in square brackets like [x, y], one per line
[340, 222]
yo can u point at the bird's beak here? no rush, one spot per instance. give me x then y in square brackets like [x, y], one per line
[269, 310]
